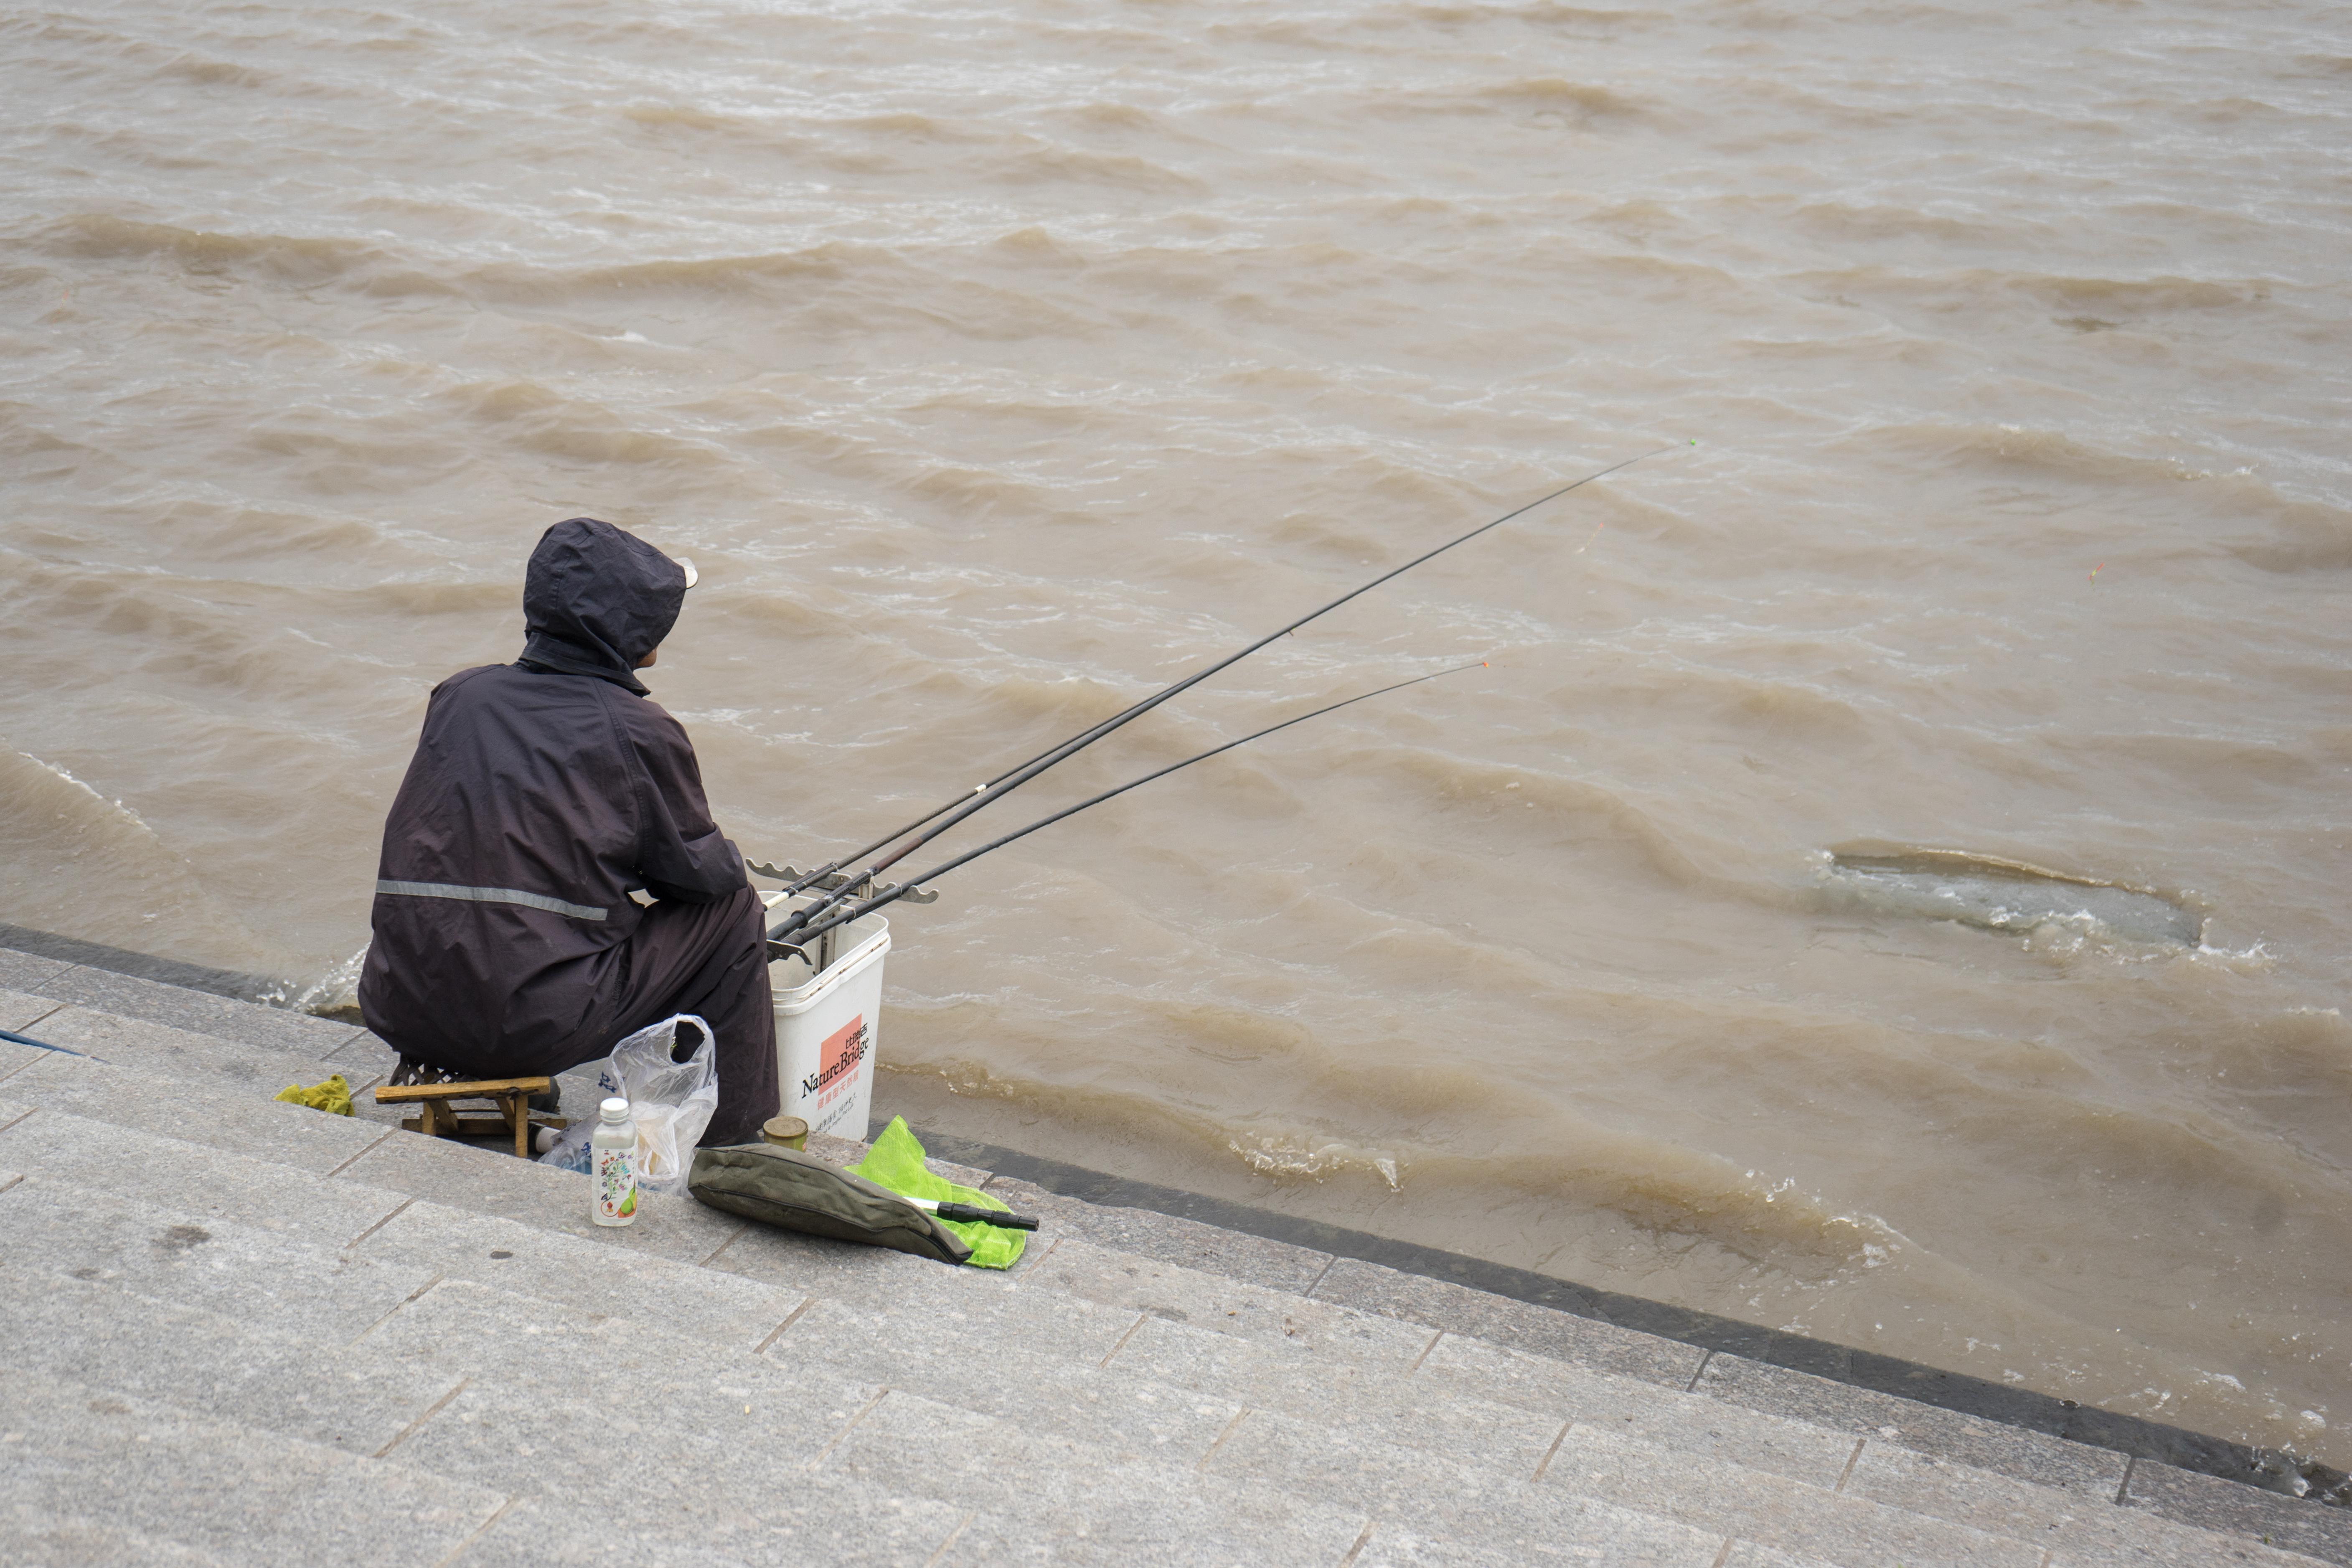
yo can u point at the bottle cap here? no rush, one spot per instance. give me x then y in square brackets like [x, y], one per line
[615, 1109]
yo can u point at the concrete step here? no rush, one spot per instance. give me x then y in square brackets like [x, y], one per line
[141, 1104]
[1572, 1497]
[1892, 1508]
[280, 1377]
[722, 1427]
[188, 1085]
[188, 1178]
[209, 1493]
[1056, 1498]
[180, 1055]
[179, 1259]
[30, 1539]
[218, 1489]
[290, 1381]
[467, 1378]
[19, 1011]
[438, 1369]
[292, 1275]
[1043, 1329]
[506, 1355]
[277, 1149]
[1332, 1366]
[198, 1012]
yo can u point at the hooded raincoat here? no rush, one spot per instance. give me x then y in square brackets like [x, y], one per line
[542, 794]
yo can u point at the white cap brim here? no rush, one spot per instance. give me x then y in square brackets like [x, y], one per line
[692, 576]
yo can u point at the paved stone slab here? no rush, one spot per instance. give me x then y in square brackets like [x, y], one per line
[712, 1446]
[15, 1059]
[365, 1061]
[1772, 1510]
[2078, 1526]
[487, 1181]
[1037, 1387]
[188, 1178]
[1748, 1554]
[285, 1381]
[2210, 1502]
[1195, 1323]
[904, 1295]
[27, 971]
[727, 1493]
[834, 1151]
[2184, 1548]
[1074, 1507]
[1669, 1417]
[1404, 1409]
[1229, 1306]
[576, 1533]
[179, 1054]
[42, 1540]
[240, 1494]
[617, 1281]
[844, 1271]
[20, 1010]
[1938, 1488]
[1432, 1498]
[1970, 1440]
[218, 1267]
[1254, 1259]
[540, 1350]
[362, 1055]
[1541, 1331]
[246, 1022]
[147, 1106]
[1391, 1545]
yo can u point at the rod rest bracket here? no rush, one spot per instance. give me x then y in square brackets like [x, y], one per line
[832, 881]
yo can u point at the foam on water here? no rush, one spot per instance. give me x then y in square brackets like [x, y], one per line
[2004, 896]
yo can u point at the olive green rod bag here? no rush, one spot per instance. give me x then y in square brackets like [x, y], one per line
[786, 1188]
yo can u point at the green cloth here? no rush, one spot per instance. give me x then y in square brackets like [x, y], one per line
[333, 1096]
[896, 1161]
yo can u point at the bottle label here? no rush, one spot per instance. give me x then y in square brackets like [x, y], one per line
[616, 1185]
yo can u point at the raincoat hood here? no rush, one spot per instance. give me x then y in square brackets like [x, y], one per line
[596, 599]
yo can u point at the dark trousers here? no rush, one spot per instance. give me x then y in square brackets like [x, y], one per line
[709, 960]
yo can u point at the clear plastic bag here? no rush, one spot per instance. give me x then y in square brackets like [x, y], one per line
[671, 1102]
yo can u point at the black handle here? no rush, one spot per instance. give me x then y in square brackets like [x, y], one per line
[973, 1213]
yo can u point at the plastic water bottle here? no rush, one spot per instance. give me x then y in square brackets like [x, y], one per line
[613, 1164]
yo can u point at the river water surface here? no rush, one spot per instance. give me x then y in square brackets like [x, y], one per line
[998, 363]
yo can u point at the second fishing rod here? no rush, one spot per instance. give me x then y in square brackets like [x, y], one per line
[929, 826]
[842, 915]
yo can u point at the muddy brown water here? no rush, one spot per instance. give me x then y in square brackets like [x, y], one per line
[999, 364]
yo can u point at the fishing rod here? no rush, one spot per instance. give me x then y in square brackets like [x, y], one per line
[956, 810]
[896, 890]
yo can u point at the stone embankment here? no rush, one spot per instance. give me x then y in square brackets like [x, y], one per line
[241, 1332]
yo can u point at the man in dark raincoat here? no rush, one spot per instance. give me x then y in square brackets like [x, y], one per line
[542, 794]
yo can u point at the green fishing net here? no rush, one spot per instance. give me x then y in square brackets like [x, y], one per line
[896, 1161]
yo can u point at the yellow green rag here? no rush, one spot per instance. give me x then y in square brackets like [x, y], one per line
[333, 1096]
[896, 1161]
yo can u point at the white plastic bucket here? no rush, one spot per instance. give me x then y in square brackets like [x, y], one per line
[828, 1028]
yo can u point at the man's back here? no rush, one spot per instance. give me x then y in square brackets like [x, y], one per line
[541, 794]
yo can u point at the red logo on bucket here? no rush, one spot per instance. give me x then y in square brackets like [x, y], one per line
[837, 1058]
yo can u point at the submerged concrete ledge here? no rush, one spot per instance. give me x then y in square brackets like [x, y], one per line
[2164, 1468]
